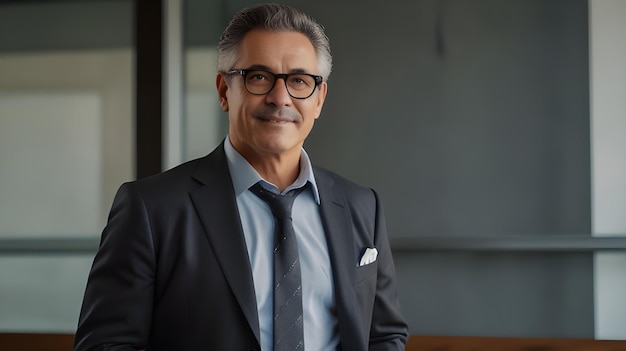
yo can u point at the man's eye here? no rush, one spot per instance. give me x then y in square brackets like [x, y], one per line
[302, 81]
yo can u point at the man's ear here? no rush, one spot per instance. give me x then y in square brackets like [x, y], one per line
[222, 88]
[321, 97]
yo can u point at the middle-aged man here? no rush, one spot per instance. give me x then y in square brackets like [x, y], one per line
[188, 259]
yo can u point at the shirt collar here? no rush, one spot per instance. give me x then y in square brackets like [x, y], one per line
[244, 175]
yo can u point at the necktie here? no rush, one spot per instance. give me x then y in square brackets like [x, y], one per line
[288, 331]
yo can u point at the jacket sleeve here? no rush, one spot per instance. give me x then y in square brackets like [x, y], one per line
[388, 329]
[117, 307]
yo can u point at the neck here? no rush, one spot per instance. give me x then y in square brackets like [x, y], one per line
[280, 173]
[280, 169]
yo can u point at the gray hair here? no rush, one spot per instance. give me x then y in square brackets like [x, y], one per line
[273, 17]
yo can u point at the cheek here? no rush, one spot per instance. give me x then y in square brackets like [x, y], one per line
[236, 96]
[238, 105]
[235, 113]
[313, 112]
[318, 110]
[308, 123]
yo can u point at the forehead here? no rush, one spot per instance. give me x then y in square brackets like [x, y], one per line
[277, 51]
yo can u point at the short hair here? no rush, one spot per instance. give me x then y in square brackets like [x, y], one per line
[273, 17]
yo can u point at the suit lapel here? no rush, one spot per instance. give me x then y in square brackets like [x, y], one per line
[336, 219]
[216, 206]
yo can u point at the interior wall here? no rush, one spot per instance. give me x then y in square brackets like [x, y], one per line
[471, 118]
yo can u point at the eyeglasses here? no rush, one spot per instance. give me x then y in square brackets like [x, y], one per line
[259, 82]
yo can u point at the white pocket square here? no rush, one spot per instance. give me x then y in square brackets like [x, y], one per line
[369, 256]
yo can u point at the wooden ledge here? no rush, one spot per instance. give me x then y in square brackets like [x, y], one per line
[36, 342]
[64, 342]
[469, 343]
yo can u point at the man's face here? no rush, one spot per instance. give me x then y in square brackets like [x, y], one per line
[275, 124]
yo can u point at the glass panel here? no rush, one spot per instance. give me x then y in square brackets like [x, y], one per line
[204, 123]
[50, 155]
[66, 144]
[66, 132]
[42, 293]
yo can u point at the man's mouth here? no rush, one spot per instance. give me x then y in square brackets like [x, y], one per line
[274, 119]
[272, 114]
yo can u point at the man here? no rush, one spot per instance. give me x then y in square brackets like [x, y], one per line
[186, 259]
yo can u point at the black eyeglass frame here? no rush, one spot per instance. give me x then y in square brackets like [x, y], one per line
[244, 72]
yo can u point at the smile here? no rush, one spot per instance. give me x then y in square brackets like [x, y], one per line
[275, 119]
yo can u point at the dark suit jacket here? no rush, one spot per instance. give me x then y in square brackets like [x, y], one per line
[172, 271]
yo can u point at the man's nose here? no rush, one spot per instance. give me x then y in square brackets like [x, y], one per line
[279, 95]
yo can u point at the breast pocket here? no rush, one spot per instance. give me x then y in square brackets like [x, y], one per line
[366, 272]
[366, 289]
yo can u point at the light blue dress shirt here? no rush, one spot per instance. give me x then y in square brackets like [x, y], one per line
[320, 316]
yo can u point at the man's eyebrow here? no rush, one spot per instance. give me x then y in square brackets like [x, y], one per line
[265, 68]
[259, 67]
[299, 70]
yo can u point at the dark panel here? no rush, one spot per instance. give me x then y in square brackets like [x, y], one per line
[149, 85]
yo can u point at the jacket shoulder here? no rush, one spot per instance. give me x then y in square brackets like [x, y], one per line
[187, 175]
[352, 190]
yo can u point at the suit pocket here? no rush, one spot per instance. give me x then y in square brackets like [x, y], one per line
[366, 291]
[366, 272]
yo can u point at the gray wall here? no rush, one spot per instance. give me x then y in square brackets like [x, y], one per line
[471, 118]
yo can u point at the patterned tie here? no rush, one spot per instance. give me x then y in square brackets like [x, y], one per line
[288, 331]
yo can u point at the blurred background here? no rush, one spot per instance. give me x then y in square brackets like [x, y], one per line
[493, 130]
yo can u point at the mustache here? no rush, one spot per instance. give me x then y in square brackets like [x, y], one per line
[271, 110]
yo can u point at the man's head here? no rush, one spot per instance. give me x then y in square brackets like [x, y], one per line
[272, 64]
[275, 18]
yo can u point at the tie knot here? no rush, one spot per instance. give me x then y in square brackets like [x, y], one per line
[279, 204]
